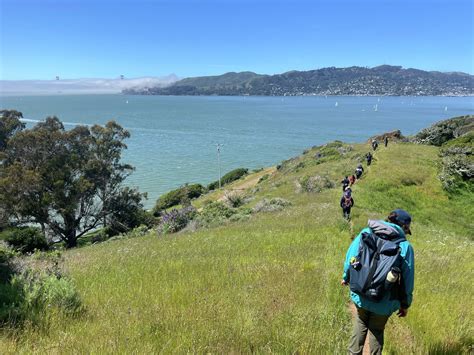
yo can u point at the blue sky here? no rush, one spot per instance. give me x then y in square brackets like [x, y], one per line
[72, 38]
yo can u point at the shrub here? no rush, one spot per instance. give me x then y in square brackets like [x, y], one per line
[25, 239]
[177, 196]
[314, 184]
[443, 131]
[6, 252]
[128, 211]
[458, 164]
[231, 176]
[37, 289]
[263, 178]
[175, 220]
[234, 199]
[215, 212]
[299, 166]
[271, 205]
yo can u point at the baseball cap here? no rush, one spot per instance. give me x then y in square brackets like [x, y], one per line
[403, 218]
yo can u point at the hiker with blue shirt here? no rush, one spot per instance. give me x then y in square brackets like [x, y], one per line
[379, 268]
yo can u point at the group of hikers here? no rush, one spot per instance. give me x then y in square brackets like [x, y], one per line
[347, 200]
[378, 268]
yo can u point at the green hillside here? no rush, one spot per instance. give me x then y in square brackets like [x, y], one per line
[380, 80]
[271, 282]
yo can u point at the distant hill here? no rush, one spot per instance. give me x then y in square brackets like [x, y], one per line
[381, 80]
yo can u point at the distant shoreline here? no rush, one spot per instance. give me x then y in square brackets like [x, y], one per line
[281, 96]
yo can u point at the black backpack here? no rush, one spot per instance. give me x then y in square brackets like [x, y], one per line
[376, 258]
[347, 201]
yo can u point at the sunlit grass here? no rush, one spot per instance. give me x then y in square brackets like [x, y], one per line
[271, 284]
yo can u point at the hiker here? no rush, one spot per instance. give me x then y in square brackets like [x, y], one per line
[346, 203]
[375, 144]
[345, 182]
[352, 180]
[369, 157]
[381, 287]
[385, 140]
[359, 170]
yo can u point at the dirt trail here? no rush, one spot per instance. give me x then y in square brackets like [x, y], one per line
[247, 183]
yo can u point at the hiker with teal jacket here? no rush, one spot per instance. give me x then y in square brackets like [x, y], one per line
[379, 268]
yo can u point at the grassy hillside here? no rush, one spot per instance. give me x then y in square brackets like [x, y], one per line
[271, 283]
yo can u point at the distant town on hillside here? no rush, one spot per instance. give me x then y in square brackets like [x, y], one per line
[361, 81]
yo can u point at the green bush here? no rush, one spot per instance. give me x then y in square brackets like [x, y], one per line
[234, 199]
[36, 289]
[25, 239]
[6, 252]
[457, 172]
[314, 183]
[231, 176]
[214, 213]
[443, 131]
[177, 196]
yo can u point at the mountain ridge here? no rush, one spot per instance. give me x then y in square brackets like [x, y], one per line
[386, 80]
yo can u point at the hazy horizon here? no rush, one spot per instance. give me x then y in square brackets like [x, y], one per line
[80, 85]
[102, 85]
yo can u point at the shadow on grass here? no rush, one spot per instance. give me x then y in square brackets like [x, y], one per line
[12, 298]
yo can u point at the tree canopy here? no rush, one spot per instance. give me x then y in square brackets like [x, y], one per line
[67, 181]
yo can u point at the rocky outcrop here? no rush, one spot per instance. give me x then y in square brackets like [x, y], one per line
[443, 131]
[392, 136]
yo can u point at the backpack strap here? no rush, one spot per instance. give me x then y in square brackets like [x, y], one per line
[373, 266]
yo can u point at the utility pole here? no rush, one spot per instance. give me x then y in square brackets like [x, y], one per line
[218, 146]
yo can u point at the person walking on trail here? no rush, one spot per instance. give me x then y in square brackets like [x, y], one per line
[345, 182]
[375, 144]
[385, 140]
[379, 268]
[346, 203]
[369, 157]
[359, 170]
[352, 180]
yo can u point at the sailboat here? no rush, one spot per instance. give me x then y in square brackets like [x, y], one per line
[336, 104]
[376, 107]
[445, 108]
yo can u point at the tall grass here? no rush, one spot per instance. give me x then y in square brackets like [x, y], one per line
[271, 284]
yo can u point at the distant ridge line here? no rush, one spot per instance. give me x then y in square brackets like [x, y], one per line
[386, 80]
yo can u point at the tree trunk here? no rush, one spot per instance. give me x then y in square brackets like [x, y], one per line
[71, 240]
[70, 229]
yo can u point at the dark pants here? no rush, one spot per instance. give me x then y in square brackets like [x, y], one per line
[346, 212]
[367, 321]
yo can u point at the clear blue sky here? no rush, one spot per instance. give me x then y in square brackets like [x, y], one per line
[103, 38]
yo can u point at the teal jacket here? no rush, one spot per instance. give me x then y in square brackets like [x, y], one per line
[385, 306]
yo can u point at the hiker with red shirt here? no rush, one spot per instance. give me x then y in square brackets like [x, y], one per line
[352, 180]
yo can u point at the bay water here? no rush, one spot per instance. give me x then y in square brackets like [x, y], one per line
[173, 138]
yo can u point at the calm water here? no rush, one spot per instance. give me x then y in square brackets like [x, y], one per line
[174, 138]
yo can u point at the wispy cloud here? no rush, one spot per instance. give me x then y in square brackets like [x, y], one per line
[80, 86]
